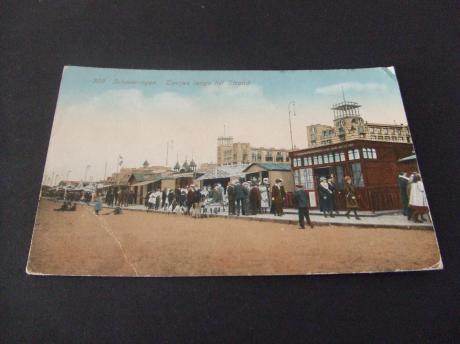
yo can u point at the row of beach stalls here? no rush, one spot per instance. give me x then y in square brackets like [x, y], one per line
[142, 183]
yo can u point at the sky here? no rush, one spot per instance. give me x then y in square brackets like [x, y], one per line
[102, 114]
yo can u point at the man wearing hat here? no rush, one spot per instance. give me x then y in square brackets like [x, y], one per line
[302, 204]
[231, 198]
[241, 194]
[325, 196]
[278, 195]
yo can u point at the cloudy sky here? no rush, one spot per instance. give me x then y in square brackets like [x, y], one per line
[102, 114]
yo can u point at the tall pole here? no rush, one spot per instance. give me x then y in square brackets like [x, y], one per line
[290, 124]
[105, 170]
[167, 150]
[86, 172]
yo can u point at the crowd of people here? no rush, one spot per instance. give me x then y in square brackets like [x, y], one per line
[241, 197]
[413, 198]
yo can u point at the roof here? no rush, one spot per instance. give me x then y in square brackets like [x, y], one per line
[408, 158]
[222, 172]
[140, 177]
[270, 166]
[144, 183]
[183, 174]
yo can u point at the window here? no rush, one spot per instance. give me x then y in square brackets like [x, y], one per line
[296, 176]
[308, 179]
[358, 179]
[342, 156]
[337, 156]
[320, 159]
[294, 162]
[369, 153]
[353, 154]
[315, 160]
[331, 157]
[269, 156]
[307, 161]
[326, 158]
[279, 157]
[299, 162]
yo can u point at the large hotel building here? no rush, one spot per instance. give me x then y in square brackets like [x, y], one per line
[349, 125]
[367, 152]
[231, 153]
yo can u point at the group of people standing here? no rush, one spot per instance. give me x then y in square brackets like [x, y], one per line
[254, 197]
[327, 194]
[122, 197]
[413, 198]
[189, 200]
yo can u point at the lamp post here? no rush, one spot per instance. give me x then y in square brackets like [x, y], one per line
[290, 124]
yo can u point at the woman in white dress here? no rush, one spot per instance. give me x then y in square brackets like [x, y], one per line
[417, 199]
[264, 196]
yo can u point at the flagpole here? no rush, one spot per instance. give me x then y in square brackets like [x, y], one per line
[290, 125]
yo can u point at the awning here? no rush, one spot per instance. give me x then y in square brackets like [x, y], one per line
[147, 182]
[408, 158]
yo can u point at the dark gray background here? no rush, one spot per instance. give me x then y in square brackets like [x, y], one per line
[421, 38]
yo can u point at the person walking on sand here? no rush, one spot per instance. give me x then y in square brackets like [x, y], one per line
[97, 205]
[301, 202]
[351, 200]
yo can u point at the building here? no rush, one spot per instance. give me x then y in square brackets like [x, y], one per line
[272, 171]
[373, 166]
[349, 125]
[222, 175]
[231, 153]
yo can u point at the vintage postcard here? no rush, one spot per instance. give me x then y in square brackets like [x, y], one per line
[217, 173]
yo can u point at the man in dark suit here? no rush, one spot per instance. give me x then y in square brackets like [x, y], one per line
[403, 181]
[241, 193]
[302, 204]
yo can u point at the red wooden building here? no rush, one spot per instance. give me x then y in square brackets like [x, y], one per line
[372, 165]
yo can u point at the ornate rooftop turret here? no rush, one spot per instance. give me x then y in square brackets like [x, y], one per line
[185, 166]
[177, 167]
[192, 165]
